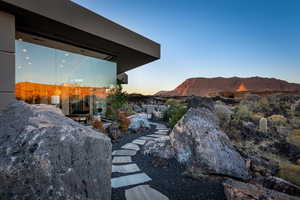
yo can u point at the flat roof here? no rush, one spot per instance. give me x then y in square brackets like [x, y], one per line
[68, 22]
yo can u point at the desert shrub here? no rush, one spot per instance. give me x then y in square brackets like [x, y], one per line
[170, 102]
[294, 138]
[97, 124]
[174, 113]
[258, 116]
[290, 172]
[224, 114]
[123, 121]
[277, 120]
[295, 122]
[242, 112]
[116, 100]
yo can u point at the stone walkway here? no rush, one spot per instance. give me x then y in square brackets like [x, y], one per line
[122, 163]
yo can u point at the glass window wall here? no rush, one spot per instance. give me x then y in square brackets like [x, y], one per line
[77, 84]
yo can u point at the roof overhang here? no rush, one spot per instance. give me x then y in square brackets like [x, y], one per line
[67, 22]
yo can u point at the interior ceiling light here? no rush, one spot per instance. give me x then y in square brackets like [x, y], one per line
[24, 50]
[66, 54]
[27, 58]
[29, 63]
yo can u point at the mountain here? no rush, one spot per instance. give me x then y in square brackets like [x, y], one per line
[206, 86]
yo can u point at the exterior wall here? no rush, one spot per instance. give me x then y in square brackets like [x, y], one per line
[7, 58]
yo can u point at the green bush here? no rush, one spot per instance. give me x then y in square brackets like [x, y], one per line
[242, 111]
[116, 100]
[174, 113]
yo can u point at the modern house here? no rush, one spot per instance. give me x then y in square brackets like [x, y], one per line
[57, 52]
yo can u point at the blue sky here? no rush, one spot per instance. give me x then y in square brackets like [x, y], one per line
[210, 38]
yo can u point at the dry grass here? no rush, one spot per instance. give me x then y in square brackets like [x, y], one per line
[294, 138]
[290, 172]
[277, 119]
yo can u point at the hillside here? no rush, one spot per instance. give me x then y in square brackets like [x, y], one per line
[206, 86]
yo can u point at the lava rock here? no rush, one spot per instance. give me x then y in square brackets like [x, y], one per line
[281, 185]
[198, 142]
[235, 190]
[138, 122]
[45, 155]
[159, 147]
[200, 102]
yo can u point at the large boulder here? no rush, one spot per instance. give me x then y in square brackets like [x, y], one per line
[235, 190]
[198, 142]
[44, 155]
[159, 147]
[138, 121]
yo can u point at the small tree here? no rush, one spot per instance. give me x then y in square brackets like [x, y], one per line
[116, 99]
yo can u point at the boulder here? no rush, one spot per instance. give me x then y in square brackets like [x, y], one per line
[159, 147]
[223, 112]
[45, 155]
[281, 185]
[200, 102]
[198, 142]
[138, 122]
[296, 107]
[157, 115]
[235, 190]
[114, 131]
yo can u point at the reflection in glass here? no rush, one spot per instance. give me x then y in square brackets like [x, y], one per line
[76, 83]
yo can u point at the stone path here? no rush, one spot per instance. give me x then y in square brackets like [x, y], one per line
[122, 163]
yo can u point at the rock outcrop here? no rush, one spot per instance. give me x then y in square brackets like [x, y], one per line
[198, 142]
[138, 121]
[235, 190]
[160, 147]
[44, 155]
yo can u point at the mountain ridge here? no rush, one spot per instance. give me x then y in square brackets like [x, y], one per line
[201, 86]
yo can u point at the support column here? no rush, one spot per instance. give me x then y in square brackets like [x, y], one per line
[7, 58]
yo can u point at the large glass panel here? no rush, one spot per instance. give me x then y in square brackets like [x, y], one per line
[77, 84]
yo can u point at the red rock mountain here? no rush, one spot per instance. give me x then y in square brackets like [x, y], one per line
[206, 86]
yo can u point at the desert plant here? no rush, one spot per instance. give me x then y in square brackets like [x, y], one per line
[174, 113]
[97, 124]
[277, 120]
[123, 121]
[290, 172]
[116, 99]
[242, 111]
[263, 125]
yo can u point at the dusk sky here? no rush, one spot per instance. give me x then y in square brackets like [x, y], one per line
[210, 38]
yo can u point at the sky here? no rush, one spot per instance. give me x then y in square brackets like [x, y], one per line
[209, 38]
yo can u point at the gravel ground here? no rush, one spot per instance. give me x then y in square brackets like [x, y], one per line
[168, 178]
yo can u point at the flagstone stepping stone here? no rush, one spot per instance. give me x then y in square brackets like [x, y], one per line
[129, 168]
[124, 152]
[162, 129]
[129, 180]
[146, 138]
[144, 192]
[156, 135]
[140, 142]
[131, 146]
[161, 133]
[121, 159]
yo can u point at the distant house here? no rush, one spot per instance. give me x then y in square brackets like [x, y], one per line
[57, 52]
